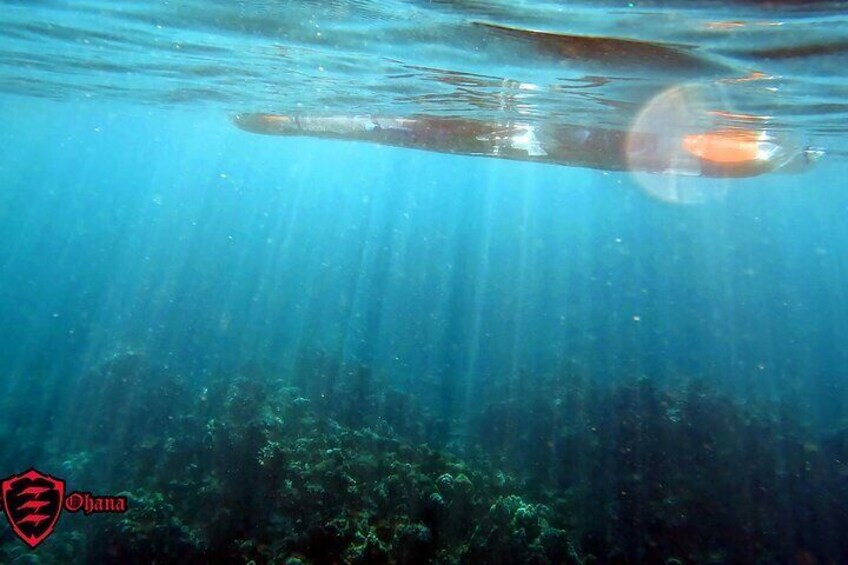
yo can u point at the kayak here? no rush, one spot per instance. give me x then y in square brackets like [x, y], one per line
[720, 153]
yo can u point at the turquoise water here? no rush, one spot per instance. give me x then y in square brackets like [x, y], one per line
[503, 311]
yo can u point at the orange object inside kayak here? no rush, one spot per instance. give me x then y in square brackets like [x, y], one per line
[725, 146]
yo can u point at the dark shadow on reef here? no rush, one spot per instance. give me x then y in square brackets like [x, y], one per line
[333, 465]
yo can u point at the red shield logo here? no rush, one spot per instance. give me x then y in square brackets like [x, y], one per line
[33, 502]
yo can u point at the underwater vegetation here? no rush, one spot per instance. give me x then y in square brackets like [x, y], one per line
[256, 467]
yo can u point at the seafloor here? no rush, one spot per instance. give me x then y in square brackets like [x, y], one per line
[252, 468]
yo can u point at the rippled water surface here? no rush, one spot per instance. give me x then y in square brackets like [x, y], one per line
[783, 63]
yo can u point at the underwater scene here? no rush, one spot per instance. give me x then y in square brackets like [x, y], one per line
[423, 282]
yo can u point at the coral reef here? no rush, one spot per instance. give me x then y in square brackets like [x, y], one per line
[258, 468]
